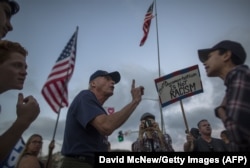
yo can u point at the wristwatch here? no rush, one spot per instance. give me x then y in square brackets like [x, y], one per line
[216, 110]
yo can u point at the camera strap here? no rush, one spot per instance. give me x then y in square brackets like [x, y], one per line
[152, 145]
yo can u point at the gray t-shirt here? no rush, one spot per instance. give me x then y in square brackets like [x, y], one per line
[215, 145]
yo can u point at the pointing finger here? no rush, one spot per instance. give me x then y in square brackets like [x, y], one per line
[142, 90]
[133, 84]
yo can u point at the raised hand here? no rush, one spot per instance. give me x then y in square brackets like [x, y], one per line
[27, 109]
[52, 145]
[136, 92]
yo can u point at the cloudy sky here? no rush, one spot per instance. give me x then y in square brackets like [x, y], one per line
[109, 35]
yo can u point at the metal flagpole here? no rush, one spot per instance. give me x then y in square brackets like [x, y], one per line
[159, 70]
[58, 116]
[54, 133]
[159, 67]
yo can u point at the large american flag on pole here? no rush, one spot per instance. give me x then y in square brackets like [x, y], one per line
[55, 89]
[146, 24]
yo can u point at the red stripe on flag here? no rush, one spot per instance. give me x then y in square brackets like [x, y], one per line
[146, 24]
[55, 90]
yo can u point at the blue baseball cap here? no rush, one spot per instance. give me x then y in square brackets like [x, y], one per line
[114, 75]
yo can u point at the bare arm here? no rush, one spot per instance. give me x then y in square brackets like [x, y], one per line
[106, 124]
[140, 137]
[189, 144]
[48, 163]
[27, 111]
[29, 161]
[221, 112]
[163, 142]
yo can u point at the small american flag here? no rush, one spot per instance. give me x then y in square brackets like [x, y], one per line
[55, 89]
[146, 24]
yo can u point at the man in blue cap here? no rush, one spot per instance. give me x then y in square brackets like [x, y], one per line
[226, 60]
[87, 123]
[151, 138]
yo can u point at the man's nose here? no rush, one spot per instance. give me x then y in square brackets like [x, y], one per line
[9, 26]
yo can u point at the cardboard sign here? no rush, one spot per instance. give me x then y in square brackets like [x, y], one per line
[179, 85]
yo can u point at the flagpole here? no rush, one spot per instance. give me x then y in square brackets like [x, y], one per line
[54, 133]
[59, 110]
[159, 71]
[57, 120]
[65, 85]
[159, 66]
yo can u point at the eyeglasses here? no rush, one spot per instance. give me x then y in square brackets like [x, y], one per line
[37, 142]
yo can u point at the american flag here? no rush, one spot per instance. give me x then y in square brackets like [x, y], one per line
[146, 24]
[55, 89]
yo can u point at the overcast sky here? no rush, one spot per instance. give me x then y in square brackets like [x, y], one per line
[109, 35]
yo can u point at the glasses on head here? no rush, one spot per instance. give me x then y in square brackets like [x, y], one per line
[37, 142]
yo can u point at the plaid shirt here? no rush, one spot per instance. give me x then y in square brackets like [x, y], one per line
[153, 145]
[238, 106]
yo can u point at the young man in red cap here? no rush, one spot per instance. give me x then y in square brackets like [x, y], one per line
[226, 60]
[88, 125]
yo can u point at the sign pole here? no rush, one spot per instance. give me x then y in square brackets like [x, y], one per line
[184, 117]
[179, 85]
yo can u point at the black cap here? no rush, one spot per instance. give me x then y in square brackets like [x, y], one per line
[114, 75]
[235, 47]
[147, 114]
[13, 5]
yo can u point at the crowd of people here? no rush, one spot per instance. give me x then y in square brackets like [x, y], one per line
[88, 125]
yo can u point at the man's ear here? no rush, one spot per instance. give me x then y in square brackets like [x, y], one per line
[227, 55]
[92, 84]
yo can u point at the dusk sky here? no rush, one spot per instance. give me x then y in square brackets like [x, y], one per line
[108, 39]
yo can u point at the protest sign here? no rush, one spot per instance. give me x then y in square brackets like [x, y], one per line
[179, 85]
